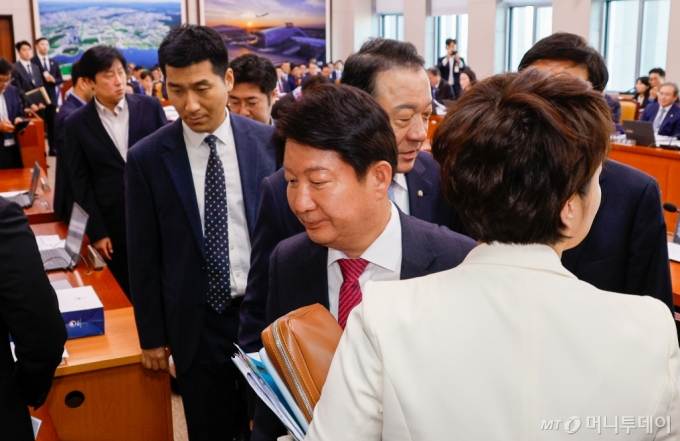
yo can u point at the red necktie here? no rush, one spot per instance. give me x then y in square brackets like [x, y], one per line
[350, 290]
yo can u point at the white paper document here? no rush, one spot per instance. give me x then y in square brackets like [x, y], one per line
[49, 242]
[11, 194]
[674, 251]
[36, 426]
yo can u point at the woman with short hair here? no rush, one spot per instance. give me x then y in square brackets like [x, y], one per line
[509, 344]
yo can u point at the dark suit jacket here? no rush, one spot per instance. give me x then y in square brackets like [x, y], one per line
[670, 126]
[30, 313]
[443, 92]
[54, 69]
[625, 250]
[96, 166]
[444, 70]
[15, 108]
[614, 107]
[334, 76]
[21, 79]
[293, 82]
[298, 277]
[168, 276]
[63, 190]
[276, 222]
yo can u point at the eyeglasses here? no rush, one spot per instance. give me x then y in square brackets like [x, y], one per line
[5, 81]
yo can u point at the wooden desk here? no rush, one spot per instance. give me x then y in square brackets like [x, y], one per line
[18, 179]
[122, 400]
[103, 282]
[663, 165]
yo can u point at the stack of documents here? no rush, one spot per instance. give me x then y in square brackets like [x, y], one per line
[269, 386]
[674, 251]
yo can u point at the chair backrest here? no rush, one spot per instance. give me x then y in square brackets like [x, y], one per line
[432, 125]
[629, 110]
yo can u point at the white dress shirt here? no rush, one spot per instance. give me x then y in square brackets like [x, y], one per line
[44, 61]
[660, 116]
[239, 240]
[117, 124]
[29, 70]
[4, 116]
[400, 189]
[383, 256]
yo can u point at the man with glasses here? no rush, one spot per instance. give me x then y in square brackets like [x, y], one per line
[11, 113]
[254, 88]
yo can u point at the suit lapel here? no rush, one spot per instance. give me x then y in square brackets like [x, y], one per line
[96, 127]
[315, 270]
[417, 254]
[176, 161]
[419, 189]
[135, 119]
[669, 116]
[248, 164]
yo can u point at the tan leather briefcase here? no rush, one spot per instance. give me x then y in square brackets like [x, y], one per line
[301, 345]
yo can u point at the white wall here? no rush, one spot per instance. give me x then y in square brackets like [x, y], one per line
[20, 10]
[673, 57]
[572, 16]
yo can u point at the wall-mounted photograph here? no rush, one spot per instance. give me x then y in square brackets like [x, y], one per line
[281, 30]
[134, 28]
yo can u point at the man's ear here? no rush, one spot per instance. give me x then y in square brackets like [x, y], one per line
[382, 174]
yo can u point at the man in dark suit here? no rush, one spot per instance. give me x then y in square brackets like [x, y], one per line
[98, 136]
[336, 75]
[451, 64]
[29, 311]
[625, 250]
[135, 79]
[441, 90]
[338, 189]
[63, 190]
[254, 89]
[399, 83]
[192, 191]
[664, 113]
[52, 79]
[11, 113]
[26, 75]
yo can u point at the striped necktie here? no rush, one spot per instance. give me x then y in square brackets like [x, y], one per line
[350, 290]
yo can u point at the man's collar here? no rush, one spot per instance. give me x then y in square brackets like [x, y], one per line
[400, 180]
[380, 252]
[196, 138]
[119, 107]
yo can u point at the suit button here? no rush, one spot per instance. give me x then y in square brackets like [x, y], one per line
[203, 268]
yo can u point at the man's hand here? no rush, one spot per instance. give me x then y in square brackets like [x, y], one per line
[6, 127]
[104, 248]
[155, 359]
[34, 108]
[17, 120]
[457, 58]
[41, 106]
[48, 77]
[653, 92]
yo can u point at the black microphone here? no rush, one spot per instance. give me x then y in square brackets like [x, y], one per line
[670, 207]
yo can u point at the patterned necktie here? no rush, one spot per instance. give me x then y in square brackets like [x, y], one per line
[350, 290]
[216, 231]
[659, 119]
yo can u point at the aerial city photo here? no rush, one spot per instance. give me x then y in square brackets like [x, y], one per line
[135, 28]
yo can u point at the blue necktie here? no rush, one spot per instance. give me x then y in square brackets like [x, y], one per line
[47, 68]
[390, 192]
[216, 231]
[30, 73]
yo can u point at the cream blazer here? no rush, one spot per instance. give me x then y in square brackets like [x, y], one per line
[507, 346]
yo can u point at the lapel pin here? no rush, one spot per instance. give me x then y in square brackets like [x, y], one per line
[420, 193]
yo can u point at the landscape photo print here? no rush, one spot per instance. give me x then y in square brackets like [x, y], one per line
[136, 28]
[281, 30]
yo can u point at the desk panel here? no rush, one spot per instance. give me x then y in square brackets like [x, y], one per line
[19, 179]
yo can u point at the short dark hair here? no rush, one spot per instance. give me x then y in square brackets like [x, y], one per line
[313, 81]
[192, 44]
[98, 59]
[569, 47]
[75, 73]
[40, 39]
[434, 71]
[137, 68]
[5, 66]
[21, 44]
[670, 84]
[451, 40]
[658, 70]
[379, 55]
[253, 69]
[361, 133]
[145, 74]
[513, 150]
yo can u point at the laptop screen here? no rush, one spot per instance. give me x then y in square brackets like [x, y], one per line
[34, 182]
[76, 232]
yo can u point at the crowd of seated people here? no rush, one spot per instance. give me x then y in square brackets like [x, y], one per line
[536, 267]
